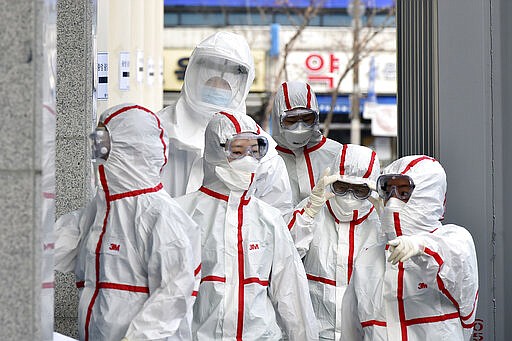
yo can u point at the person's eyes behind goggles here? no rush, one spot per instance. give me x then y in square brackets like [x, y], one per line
[245, 144]
[360, 191]
[395, 185]
[291, 119]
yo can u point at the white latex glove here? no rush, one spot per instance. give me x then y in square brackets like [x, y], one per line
[318, 196]
[404, 247]
[378, 202]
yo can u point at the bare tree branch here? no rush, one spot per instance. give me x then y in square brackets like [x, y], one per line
[309, 13]
[361, 53]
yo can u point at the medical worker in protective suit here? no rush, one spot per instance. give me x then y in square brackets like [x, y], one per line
[253, 285]
[329, 237]
[304, 149]
[131, 247]
[219, 74]
[423, 283]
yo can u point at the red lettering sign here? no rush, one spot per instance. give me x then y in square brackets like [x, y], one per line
[314, 62]
[317, 73]
[334, 63]
[478, 330]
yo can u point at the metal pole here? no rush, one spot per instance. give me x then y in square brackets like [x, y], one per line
[356, 10]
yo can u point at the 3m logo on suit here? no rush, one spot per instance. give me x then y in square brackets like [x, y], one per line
[422, 286]
[254, 246]
[114, 247]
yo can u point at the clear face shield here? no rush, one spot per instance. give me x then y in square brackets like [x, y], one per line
[217, 81]
[398, 186]
[100, 144]
[246, 144]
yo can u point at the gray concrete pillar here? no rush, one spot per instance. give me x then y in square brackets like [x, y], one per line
[474, 143]
[21, 106]
[75, 112]
[454, 84]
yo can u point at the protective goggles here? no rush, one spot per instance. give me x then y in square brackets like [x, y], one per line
[360, 191]
[292, 118]
[399, 186]
[100, 144]
[244, 144]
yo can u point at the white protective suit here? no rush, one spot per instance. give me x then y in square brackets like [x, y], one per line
[305, 164]
[330, 244]
[186, 122]
[131, 247]
[253, 284]
[431, 296]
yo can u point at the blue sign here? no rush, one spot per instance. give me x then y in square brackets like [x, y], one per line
[275, 3]
[342, 105]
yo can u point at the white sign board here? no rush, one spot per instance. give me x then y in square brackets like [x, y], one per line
[102, 89]
[384, 121]
[383, 147]
[151, 71]
[140, 66]
[124, 71]
[161, 71]
[322, 70]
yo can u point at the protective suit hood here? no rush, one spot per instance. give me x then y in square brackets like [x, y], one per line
[192, 114]
[425, 208]
[291, 95]
[358, 165]
[138, 148]
[222, 127]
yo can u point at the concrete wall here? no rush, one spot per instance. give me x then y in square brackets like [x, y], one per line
[474, 100]
[75, 109]
[505, 74]
[20, 169]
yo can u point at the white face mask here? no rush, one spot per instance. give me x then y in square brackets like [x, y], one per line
[395, 204]
[216, 96]
[387, 220]
[239, 175]
[345, 206]
[298, 137]
[245, 164]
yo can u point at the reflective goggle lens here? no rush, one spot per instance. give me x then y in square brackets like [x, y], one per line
[246, 144]
[291, 118]
[100, 143]
[360, 191]
[395, 185]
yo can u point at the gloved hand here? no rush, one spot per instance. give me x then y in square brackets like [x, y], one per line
[318, 196]
[124, 339]
[378, 202]
[404, 247]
